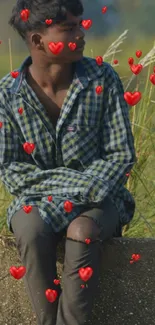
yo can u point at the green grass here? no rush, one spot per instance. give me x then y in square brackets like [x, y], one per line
[141, 183]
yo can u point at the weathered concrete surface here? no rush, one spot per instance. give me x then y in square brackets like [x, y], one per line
[126, 291]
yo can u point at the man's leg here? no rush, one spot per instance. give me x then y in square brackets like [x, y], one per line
[36, 244]
[76, 303]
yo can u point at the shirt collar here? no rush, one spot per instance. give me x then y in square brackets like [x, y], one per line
[86, 69]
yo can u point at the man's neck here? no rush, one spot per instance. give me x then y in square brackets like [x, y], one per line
[55, 77]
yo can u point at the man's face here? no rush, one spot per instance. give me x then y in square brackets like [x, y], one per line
[69, 31]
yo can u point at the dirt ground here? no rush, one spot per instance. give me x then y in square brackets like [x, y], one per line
[125, 291]
[15, 308]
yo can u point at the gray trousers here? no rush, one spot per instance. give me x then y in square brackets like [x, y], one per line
[37, 246]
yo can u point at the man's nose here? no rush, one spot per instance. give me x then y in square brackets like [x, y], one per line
[80, 35]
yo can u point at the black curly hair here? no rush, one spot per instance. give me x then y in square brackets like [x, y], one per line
[40, 10]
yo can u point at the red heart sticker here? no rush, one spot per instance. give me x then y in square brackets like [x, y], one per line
[28, 147]
[136, 68]
[14, 74]
[134, 258]
[1, 124]
[50, 198]
[51, 295]
[99, 60]
[130, 61]
[82, 286]
[132, 98]
[68, 206]
[138, 54]
[56, 48]
[20, 110]
[27, 208]
[56, 281]
[72, 46]
[87, 23]
[152, 78]
[115, 61]
[87, 240]
[48, 21]
[99, 90]
[85, 273]
[17, 272]
[24, 15]
[104, 10]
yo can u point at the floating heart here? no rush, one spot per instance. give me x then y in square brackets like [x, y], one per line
[99, 90]
[132, 98]
[99, 60]
[138, 54]
[48, 21]
[72, 46]
[0, 42]
[87, 240]
[135, 258]
[51, 295]
[154, 69]
[104, 10]
[68, 206]
[115, 61]
[130, 60]
[24, 15]
[87, 23]
[14, 74]
[152, 79]
[27, 208]
[1, 124]
[136, 68]
[82, 286]
[56, 48]
[17, 272]
[56, 281]
[20, 110]
[85, 273]
[28, 147]
[50, 198]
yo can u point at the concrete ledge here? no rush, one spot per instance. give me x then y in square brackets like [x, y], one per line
[126, 291]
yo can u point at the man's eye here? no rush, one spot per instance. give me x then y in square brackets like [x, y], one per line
[72, 28]
[69, 29]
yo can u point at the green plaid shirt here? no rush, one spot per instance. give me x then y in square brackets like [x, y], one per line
[85, 159]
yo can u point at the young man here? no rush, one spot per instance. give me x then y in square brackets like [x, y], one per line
[66, 147]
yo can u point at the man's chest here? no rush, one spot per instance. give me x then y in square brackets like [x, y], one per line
[52, 106]
[51, 103]
[75, 141]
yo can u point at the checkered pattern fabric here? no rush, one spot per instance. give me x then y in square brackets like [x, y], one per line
[85, 159]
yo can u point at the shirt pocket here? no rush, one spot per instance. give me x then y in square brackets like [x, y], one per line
[80, 146]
